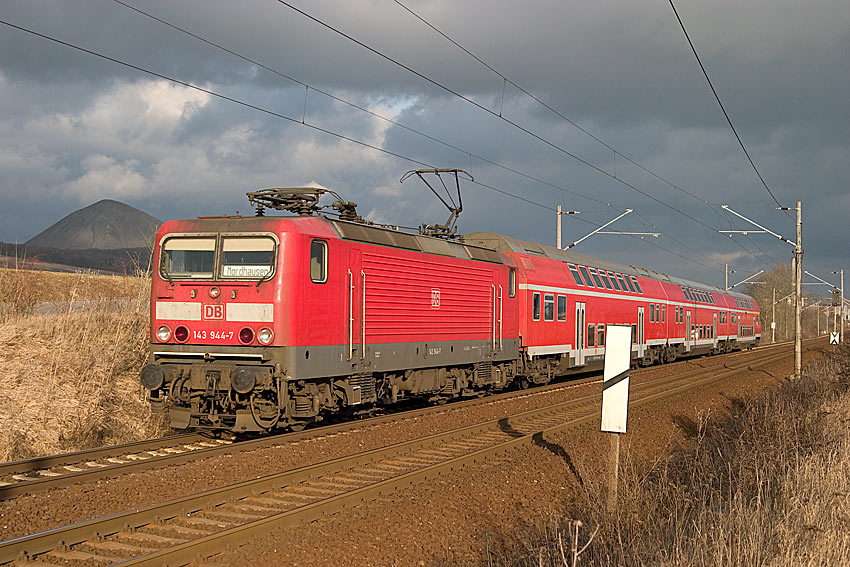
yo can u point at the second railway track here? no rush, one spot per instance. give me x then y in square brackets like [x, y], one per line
[182, 530]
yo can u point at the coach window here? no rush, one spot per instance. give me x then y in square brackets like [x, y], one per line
[600, 335]
[575, 274]
[562, 308]
[614, 281]
[652, 313]
[663, 313]
[605, 279]
[535, 306]
[595, 277]
[634, 333]
[549, 307]
[512, 282]
[319, 261]
[247, 257]
[622, 282]
[629, 283]
[586, 276]
[637, 284]
[591, 335]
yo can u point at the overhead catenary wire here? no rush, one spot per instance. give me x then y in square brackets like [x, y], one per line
[394, 122]
[556, 112]
[284, 117]
[723, 108]
[362, 108]
[492, 113]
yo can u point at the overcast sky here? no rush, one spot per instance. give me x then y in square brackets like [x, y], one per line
[75, 128]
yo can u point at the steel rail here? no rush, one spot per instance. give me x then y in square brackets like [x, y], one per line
[55, 471]
[174, 532]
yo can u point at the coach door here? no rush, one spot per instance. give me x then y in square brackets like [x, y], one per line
[688, 332]
[580, 330]
[641, 346]
[356, 304]
[714, 330]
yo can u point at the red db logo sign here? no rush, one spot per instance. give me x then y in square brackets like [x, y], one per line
[213, 311]
[435, 299]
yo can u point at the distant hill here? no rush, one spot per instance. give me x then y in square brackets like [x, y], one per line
[105, 225]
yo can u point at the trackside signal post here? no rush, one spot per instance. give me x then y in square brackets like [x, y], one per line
[615, 397]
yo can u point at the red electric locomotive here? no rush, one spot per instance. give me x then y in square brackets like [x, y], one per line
[273, 322]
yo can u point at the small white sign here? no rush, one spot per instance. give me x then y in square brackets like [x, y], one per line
[833, 338]
[615, 384]
[773, 324]
[233, 271]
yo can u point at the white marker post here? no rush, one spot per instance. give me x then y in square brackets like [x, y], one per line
[615, 396]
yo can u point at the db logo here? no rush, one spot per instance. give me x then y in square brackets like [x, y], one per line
[435, 299]
[213, 311]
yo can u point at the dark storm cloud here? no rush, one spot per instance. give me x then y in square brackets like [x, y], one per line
[76, 128]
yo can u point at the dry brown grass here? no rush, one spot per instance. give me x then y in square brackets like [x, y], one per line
[766, 486]
[21, 290]
[70, 380]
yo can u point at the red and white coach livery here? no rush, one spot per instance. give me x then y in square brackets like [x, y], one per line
[264, 322]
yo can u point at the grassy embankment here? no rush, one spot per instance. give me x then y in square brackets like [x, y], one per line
[69, 380]
[768, 485]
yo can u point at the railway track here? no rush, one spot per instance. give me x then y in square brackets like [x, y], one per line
[198, 526]
[55, 471]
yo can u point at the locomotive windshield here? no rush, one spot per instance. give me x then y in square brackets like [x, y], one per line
[189, 257]
[243, 257]
[239, 257]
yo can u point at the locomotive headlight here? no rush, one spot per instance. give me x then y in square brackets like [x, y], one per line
[243, 380]
[214, 292]
[163, 333]
[265, 336]
[152, 377]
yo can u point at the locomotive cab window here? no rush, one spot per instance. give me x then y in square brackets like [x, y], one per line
[188, 257]
[511, 282]
[247, 257]
[319, 261]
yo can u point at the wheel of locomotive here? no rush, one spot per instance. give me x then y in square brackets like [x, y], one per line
[523, 383]
[296, 426]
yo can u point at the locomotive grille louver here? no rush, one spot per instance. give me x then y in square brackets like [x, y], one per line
[484, 370]
[366, 382]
